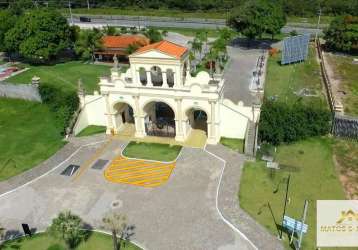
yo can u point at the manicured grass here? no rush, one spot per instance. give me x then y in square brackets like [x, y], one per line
[43, 241]
[91, 130]
[149, 12]
[152, 151]
[283, 80]
[29, 135]
[234, 144]
[65, 74]
[347, 72]
[313, 177]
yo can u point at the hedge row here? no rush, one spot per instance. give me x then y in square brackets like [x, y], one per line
[282, 123]
[61, 100]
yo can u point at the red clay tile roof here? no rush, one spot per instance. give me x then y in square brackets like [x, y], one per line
[124, 41]
[165, 47]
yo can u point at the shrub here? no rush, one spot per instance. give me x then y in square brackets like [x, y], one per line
[63, 101]
[282, 123]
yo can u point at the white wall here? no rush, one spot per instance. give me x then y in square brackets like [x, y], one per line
[234, 119]
[93, 113]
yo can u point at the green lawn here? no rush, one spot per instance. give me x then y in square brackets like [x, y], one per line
[283, 80]
[149, 12]
[91, 130]
[347, 72]
[29, 135]
[65, 73]
[152, 151]
[313, 177]
[43, 241]
[310, 20]
[234, 144]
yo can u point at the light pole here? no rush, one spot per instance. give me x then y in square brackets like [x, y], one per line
[69, 7]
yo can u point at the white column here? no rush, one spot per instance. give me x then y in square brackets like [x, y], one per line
[165, 83]
[138, 119]
[149, 79]
[178, 121]
[108, 114]
[212, 133]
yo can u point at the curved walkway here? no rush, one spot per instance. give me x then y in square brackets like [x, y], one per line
[228, 202]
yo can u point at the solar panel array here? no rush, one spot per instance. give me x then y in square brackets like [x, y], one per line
[295, 49]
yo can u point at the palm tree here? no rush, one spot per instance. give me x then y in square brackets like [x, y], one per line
[68, 227]
[116, 223]
[196, 46]
[211, 57]
[88, 42]
[202, 36]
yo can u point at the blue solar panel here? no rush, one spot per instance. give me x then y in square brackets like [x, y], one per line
[295, 49]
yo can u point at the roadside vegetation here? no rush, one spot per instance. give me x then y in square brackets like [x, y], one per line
[92, 130]
[152, 151]
[313, 177]
[26, 125]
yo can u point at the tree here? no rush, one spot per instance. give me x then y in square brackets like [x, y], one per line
[116, 223]
[110, 31]
[153, 35]
[39, 35]
[257, 17]
[132, 48]
[7, 21]
[342, 34]
[88, 42]
[196, 46]
[68, 227]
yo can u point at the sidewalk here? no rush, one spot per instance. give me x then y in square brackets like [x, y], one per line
[228, 201]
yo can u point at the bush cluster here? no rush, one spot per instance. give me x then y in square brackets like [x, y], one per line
[283, 123]
[62, 101]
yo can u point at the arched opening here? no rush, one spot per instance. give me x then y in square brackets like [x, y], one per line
[170, 78]
[159, 119]
[198, 120]
[156, 75]
[124, 118]
[143, 76]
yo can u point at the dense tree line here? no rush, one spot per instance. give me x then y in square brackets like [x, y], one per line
[342, 34]
[283, 123]
[291, 7]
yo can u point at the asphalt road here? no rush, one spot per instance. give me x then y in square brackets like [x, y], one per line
[170, 23]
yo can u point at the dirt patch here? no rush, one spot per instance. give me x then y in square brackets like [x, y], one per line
[345, 157]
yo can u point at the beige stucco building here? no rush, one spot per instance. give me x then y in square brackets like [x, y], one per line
[160, 97]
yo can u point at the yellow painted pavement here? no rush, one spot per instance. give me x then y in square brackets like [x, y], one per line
[139, 172]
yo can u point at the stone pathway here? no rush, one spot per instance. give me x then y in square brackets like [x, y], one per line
[228, 202]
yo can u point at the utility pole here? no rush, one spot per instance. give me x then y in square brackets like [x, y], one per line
[318, 22]
[69, 7]
[284, 208]
[88, 5]
[302, 223]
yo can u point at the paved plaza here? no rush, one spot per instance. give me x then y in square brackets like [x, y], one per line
[180, 214]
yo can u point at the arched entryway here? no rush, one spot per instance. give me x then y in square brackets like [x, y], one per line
[159, 119]
[198, 119]
[124, 117]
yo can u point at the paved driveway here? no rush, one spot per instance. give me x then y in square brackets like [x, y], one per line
[180, 214]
